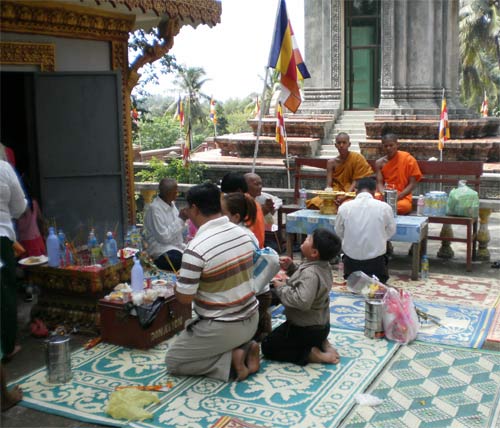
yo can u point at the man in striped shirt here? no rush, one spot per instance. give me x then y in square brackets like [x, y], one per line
[217, 276]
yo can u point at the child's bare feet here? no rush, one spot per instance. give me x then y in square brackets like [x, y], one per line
[11, 398]
[238, 364]
[327, 347]
[318, 356]
[253, 358]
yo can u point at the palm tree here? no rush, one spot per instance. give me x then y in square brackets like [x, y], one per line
[190, 81]
[479, 39]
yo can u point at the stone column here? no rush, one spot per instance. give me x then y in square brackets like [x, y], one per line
[419, 58]
[324, 57]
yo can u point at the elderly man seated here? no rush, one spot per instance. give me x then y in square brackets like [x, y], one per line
[163, 227]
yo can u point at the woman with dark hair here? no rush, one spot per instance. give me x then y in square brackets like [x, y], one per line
[241, 209]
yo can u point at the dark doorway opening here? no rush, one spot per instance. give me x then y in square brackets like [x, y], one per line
[362, 56]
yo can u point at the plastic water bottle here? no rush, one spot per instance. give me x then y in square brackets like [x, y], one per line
[135, 238]
[128, 239]
[302, 198]
[137, 276]
[424, 274]
[92, 247]
[53, 249]
[62, 247]
[420, 205]
[111, 249]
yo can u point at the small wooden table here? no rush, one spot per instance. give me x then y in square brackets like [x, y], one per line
[411, 229]
[70, 295]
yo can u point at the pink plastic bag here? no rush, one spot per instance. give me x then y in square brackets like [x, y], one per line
[399, 316]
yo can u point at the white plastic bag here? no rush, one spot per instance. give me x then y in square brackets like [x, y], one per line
[359, 282]
[266, 264]
[400, 318]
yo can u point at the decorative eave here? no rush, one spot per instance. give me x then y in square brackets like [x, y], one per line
[103, 19]
[150, 12]
[64, 20]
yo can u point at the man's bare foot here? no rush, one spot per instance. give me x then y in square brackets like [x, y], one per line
[11, 398]
[238, 364]
[16, 349]
[318, 356]
[253, 358]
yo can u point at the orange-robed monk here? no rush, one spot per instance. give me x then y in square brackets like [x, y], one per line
[343, 171]
[399, 170]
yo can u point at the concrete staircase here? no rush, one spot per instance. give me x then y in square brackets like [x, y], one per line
[353, 123]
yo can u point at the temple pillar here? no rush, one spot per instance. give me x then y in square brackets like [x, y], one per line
[324, 53]
[420, 58]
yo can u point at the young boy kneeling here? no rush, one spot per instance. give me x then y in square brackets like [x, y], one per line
[303, 337]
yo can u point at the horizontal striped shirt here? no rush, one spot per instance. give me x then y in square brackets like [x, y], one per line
[217, 268]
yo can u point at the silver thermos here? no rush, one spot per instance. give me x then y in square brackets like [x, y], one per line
[58, 359]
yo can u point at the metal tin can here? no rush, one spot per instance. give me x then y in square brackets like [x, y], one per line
[391, 197]
[374, 328]
[58, 359]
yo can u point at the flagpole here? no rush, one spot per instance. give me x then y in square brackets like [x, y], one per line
[441, 150]
[286, 154]
[259, 124]
[263, 99]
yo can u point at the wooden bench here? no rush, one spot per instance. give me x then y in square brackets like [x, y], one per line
[434, 172]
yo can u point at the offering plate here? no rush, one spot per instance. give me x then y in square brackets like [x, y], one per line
[328, 197]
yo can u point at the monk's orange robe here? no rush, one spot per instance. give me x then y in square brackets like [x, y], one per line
[397, 172]
[352, 169]
[259, 227]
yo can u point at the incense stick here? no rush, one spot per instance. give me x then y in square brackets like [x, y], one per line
[170, 263]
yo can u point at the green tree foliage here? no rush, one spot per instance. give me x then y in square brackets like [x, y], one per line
[145, 49]
[156, 132]
[479, 38]
[238, 111]
[175, 168]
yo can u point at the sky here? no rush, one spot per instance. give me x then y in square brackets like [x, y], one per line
[235, 52]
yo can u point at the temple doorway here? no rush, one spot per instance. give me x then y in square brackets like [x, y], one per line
[362, 56]
[66, 133]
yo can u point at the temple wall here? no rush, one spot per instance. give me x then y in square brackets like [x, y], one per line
[71, 54]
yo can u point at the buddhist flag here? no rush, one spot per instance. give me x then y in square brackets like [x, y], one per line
[256, 110]
[444, 127]
[280, 128]
[285, 57]
[179, 114]
[484, 106]
[186, 147]
[213, 113]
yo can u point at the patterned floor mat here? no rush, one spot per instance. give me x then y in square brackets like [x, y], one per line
[434, 386]
[460, 325]
[280, 395]
[461, 290]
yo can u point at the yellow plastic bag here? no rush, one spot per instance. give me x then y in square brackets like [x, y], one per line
[128, 404]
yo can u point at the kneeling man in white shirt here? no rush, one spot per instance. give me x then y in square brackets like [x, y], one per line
[365, 224]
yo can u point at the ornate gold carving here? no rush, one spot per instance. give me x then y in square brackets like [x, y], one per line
[119, 61]
[43, 55]
[64, 20]
[197, 11]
